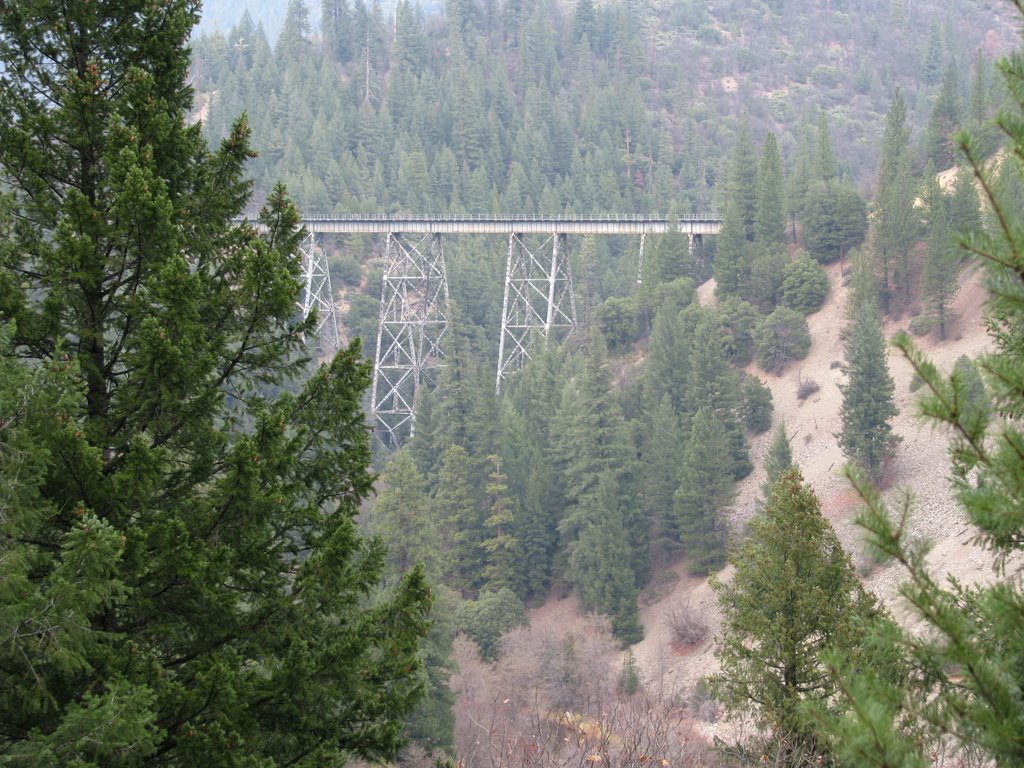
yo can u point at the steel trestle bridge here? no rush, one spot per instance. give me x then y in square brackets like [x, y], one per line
[538, 303]
[501, 224]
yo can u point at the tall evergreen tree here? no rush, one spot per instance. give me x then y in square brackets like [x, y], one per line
[601, 562]
[867, 437]
[964, 210]
[741, 191]
[501, 545]
[458, 506]
[945, 119]
[596, 447]
[336, 25]
[894, 229]
[793, 595]
[667, 363]
[401, 516]
[940, 279]
[835, 220]
[706, 488]
[294, 38]
[826, 168]
[731, 266]
[778, 459]
[225, 615]
[661, 473]
[770, 221]
[715, 384]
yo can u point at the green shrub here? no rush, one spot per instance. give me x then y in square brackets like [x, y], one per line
[825, 76]
[767, 274]
[617, 319]
[804, 285]
[757, 405]
[922, 325]
[487, 619]
[781, 337]
[707, 33]
[739, 319]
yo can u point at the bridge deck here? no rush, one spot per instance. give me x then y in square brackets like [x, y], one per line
[513, 224]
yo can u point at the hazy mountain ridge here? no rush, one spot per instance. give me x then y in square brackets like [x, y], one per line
[222, 15]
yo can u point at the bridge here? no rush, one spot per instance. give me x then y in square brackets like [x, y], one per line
[501, 224]
[538, 302]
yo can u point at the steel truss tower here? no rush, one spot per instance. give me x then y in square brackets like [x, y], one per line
[413, 320]
[538, 300]
[317, 294]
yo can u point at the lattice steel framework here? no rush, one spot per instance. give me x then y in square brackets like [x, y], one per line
[413, 321]
[317, 293]
[538, 301]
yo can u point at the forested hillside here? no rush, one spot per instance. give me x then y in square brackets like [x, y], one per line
[584, 106]
[589, 108]
[644, 551]
[815, 129]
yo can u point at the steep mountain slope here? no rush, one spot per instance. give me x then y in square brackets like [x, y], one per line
[920, 462]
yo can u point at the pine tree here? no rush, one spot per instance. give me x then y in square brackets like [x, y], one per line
[826, 168]
[794, 594]
[223, 613]
[895, 224]
[661, 455]
[799, 181]
[667, 363]
[834, 219]
[336, 24]
[965, 693]
[706, 488]
[401, 516]
[940, 281]
[770, 220]
[458, 505]
[584, 22]
[601, 562]
[945, 119]
[931, 66]
[867, 438]
[715, 384]
[731, 265]
[742, 186]
[964, 211]
[596, 447]
[501, 545]
[293, 42]
[778, 459]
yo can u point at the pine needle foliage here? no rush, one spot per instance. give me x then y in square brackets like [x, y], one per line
[966, 694]
[181, 578]
[793, 595]
[867, 437]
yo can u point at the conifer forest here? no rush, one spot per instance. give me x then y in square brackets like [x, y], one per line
[758, 501]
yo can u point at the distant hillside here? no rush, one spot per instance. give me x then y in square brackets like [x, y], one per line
[224, 14]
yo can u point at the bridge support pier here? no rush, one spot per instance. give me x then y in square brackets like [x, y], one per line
[317, 293]
[413, 320]
[538, 300]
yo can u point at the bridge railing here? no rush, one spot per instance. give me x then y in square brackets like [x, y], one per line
[514, 217]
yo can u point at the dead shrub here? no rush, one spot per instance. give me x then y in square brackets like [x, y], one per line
[686, 623]
[805, 387]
